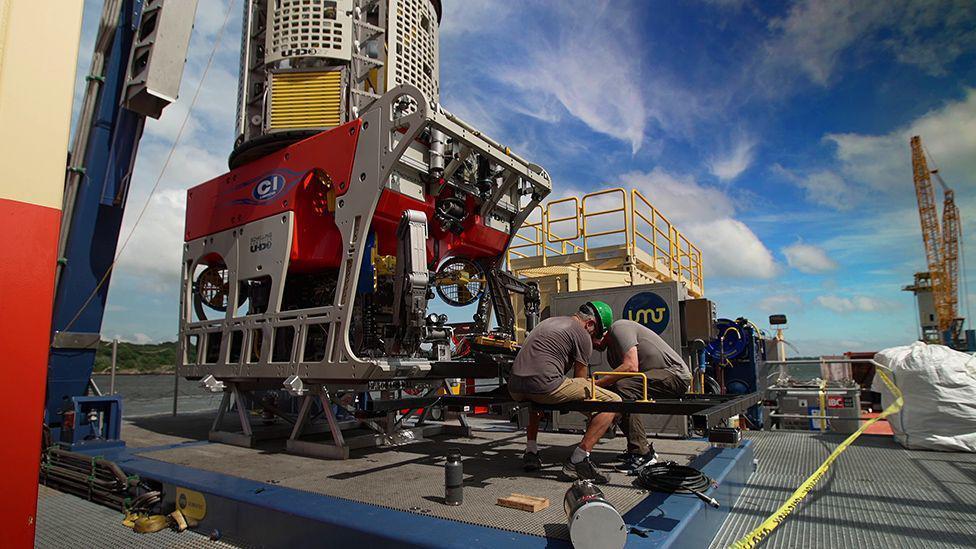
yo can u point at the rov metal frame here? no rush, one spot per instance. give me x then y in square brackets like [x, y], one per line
[387, 132]
[705, 411]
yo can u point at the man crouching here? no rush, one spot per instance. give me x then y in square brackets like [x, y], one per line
[539, 375]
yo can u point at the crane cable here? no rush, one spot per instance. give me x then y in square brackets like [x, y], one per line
[162, 171]
[754, 537]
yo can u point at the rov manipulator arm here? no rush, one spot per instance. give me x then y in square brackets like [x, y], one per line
[501, 285]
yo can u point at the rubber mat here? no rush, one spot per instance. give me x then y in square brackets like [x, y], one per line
[877, 494]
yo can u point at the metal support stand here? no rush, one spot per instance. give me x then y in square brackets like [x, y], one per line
[388, 431]
[247, 435]
[337, 449]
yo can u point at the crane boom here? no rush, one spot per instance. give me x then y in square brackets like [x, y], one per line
[941, 246]
[950, 254]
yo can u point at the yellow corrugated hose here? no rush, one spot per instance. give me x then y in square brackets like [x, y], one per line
[753, 538]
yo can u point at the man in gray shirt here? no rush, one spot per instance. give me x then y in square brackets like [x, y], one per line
[554, 347]
[633, 347]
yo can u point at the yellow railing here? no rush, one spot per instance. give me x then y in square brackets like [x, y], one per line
[642, 375]
[534, 238]
[594, 216]
[574, 217]
[603, 214]
[661, 239]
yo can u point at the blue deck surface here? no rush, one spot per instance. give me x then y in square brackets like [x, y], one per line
[266, 515]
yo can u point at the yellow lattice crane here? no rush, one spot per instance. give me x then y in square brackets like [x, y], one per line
[941, 254]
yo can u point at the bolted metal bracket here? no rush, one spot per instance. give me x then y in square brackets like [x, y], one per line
[295, 386]
[211, 384]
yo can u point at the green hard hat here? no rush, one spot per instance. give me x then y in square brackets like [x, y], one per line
[603, 314]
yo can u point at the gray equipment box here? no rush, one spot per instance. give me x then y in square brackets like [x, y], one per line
[653, 305]
[798, 407]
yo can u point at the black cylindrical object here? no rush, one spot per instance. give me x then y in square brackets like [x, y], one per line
[453, 478]
[594, 523]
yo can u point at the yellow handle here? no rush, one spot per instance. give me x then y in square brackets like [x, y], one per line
[593, 383]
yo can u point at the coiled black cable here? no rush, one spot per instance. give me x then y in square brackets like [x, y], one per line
[669, 477]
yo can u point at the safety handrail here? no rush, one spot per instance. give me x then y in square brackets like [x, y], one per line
[658, 252]
[586, 216]
[537, 227]
[643, 227]
[555, 220]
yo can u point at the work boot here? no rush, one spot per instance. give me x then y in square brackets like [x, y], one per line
[584, 470]
[635, 462]
[531, 462]
[628, 455]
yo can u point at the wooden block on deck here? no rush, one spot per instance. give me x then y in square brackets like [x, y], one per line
[524, 502]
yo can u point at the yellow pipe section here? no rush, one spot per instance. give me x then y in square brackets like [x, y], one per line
[623, 374]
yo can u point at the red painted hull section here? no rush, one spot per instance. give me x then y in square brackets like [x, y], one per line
[27, 265]
[300, 179]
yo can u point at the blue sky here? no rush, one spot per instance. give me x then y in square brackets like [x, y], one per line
[775, 135]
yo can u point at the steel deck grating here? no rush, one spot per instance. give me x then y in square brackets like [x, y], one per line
[64, 520]
[876, 494]
[411, 477]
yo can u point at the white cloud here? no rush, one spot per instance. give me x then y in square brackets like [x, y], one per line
[808, 259]
[590, 39]
[776, 303]
[731, 249]
[473, 16]
[858, 303]
[138, 338]
[884, 161]
[706, 215]
[822, 187]
[817, 36]
[154, 253]
[728, 166]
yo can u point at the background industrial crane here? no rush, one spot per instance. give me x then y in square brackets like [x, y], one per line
[941, 252]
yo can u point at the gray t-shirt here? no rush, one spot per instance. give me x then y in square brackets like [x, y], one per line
[550, 350]
[655, 357]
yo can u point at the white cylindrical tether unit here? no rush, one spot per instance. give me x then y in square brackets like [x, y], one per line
[593, 522]
[311, 65]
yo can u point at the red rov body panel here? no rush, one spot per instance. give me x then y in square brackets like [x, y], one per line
[300, 178]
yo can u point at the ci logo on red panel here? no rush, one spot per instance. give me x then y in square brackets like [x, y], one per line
[268, 188]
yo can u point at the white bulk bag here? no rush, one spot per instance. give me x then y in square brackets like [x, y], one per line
[939, 388]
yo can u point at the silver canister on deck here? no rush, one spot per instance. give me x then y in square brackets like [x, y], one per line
[593, 521]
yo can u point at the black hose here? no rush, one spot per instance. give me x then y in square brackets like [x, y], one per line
[669, 477]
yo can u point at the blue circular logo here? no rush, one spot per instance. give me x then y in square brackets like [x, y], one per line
[268, 188]
[648, 309]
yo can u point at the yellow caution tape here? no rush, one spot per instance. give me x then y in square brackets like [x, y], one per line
[753, 538]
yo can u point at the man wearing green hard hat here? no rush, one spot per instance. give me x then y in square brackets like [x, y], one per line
[559, 343]
[550, 351]
[632, 347]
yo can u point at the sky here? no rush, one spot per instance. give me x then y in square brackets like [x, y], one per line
[775, 135]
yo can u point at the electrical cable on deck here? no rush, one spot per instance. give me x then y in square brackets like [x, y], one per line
[669, 477]
[753, 538]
